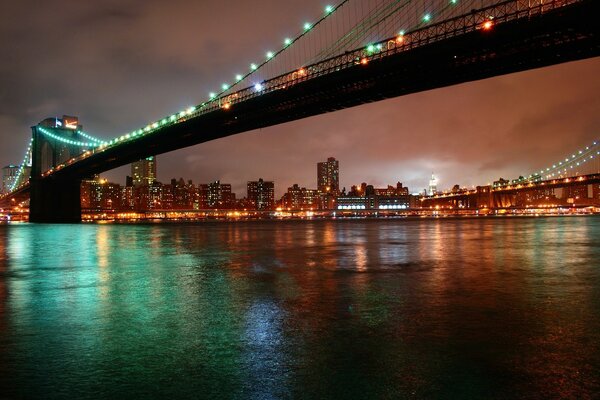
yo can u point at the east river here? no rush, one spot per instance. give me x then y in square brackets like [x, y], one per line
[470, 308]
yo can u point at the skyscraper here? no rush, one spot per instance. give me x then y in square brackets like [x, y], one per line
[9, 175]
[328, 176]
[143, 172]
[433, 185]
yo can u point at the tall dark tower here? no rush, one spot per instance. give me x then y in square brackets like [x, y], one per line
[56, 199]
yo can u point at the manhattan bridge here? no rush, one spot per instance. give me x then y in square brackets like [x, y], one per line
[355, 52]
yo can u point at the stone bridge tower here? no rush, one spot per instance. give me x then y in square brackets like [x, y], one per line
[54, 199]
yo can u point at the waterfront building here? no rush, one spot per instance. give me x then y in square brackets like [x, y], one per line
[9, 175]
[575, 193]
[298, 198]
[100, 194]
[536, 197]
[180, 195]
[215, 195]
[367, 197]
[328, 176]
[143, 171]
[261, 194]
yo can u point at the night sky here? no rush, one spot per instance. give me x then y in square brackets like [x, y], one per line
[121, 64]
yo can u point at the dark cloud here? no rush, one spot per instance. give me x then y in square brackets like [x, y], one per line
[120, 64]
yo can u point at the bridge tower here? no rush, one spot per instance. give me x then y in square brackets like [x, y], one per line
[55, 199]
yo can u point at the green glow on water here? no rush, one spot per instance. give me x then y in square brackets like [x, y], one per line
[321, 309]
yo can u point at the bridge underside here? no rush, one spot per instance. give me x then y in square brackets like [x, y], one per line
[567, 34]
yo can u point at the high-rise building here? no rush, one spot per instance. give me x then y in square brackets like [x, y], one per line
[328, 176]
[216, 195]
[143, 172]
[433, 185]
[9, 175]
[261, 194]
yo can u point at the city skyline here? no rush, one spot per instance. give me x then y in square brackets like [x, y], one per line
[500, 127]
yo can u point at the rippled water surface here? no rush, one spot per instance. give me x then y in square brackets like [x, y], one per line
[435, 309]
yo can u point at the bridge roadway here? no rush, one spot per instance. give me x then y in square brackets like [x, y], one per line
[531, 41]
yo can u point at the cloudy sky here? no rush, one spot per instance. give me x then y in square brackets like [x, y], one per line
[118, 64]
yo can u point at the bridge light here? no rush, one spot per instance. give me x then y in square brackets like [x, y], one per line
[307, 26]
[191, 110]
[400, 39]
[225, 86]
[287, 41]
[370, 48]
[301, 72]
[270, 55]
[329, 9]
[227, 106]
[487, 25]
[212, 95]
[253, 67]
[426, 17]
[364, 61]
[238, 77]
[258, 87]
[453, 1]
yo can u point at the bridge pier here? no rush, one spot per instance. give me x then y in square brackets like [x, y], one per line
[55, 201]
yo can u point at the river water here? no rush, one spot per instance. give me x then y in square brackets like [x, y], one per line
[473, 308]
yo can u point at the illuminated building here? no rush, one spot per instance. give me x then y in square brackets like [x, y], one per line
[579, 192]
[128, 195]
[328, 176]
[203, 196]
[148, 197]
[9, 175]
[366, 197]
[99, 194]
[535, 197]
[143, 171]
[390, 191]
[352, 203]
[261, 194]
[433, 185]
[180, 195]
[216, 195]
[298, 198]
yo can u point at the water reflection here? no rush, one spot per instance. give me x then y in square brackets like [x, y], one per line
[473, 308]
